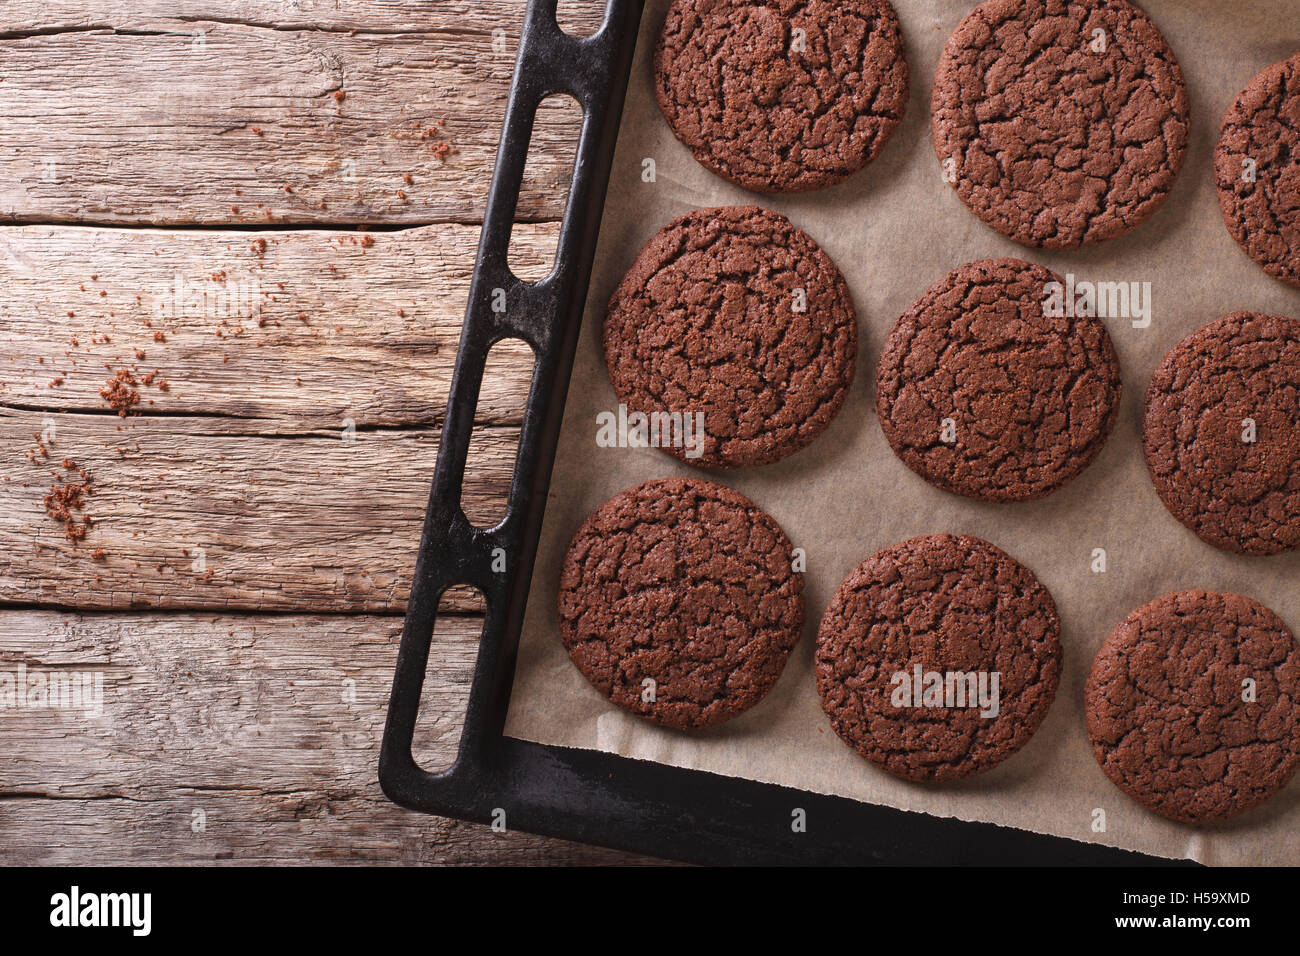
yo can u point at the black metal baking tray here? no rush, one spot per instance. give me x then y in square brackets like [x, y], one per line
[586, 795]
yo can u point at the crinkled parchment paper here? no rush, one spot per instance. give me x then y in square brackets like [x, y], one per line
[893, 229]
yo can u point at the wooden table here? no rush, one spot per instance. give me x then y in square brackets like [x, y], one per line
[182, 185]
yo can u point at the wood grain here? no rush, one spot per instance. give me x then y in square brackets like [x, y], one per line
[317, 327]
[293, 446]
[578, 17]
[208, 513]
[230, 738]
[188, 113]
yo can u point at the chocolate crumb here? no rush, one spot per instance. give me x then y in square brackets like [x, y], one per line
[120, 392]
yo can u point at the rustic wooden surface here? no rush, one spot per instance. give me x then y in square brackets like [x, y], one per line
[241, 586]
[202, 112]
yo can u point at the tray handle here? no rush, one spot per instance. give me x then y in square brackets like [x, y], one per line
[547, 315]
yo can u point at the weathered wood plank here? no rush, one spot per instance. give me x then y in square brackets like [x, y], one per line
[262, 113]
[579, 17]
[309, 330]
[251, 827]
[238, 738]
[211, 513]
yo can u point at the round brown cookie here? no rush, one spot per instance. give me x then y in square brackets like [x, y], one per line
[1166, 713]
[987, 390]
[736, 314]
[1257, 170]
[685, 584]
[945, 605]
[782, 96]
[1220, 433]
[1052, 133]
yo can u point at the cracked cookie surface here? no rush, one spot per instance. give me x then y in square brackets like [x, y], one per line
[782, 96]
[1235, 379]
[689, 585]
[982, 393]
[734, 313]
[943, 603]
[1047, 137]
[1165, 711]
[1257, 170]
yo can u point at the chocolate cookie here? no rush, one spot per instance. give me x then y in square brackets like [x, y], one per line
[734, 314]
[1221, 437]
[987, 388]
[1060, 122]
[678, 602]
[781, 96]
[1194, 705]
[908, 651]
[1257, 170]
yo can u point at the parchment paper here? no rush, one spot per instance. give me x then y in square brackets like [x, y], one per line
[894, 229]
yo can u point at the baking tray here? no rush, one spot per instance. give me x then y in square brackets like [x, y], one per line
[587, 795]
